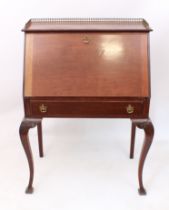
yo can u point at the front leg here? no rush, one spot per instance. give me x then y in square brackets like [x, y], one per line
[147, 125]
[26, 124]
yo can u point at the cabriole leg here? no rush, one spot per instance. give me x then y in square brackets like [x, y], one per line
[26, 124]
[148, 128]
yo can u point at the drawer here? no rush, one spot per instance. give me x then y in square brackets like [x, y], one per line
[124, 109]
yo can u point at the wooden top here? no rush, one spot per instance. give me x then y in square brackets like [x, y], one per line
[91, 24]
[86, 64]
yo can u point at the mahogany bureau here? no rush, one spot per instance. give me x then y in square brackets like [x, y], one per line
[87, 68]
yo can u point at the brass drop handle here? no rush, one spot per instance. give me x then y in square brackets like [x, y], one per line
[130, 109]
[43, 108]
[86, 40]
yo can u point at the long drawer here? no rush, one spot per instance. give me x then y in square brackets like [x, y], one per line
[124, 109]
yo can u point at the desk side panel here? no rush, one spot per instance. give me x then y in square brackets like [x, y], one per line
[28, 64]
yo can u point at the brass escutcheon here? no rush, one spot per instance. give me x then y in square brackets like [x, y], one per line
[86, 40]
[130, 109]
[43, 108]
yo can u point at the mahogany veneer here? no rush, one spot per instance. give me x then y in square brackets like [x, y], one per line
[96, 68]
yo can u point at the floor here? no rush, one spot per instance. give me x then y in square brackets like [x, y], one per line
[86, 167]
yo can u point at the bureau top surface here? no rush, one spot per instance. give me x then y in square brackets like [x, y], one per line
[90, 24]
[86, 64]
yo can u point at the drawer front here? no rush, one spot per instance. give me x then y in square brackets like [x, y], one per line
[124, 109]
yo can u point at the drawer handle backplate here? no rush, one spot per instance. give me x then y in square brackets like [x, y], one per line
[43, 108]
[130, 109]
[86, 40]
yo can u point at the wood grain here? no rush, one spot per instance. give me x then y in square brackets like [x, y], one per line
[109, 65]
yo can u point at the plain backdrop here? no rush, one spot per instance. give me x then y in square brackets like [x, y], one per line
[86, 163]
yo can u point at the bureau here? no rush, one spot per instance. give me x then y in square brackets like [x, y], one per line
[87, 68]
